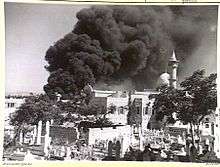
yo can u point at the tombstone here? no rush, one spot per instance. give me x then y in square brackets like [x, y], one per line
[179, 139]
[39, 130]
[68, 153]
[182, 151]
[200, 149]
[207, 141]
[28, 156]
[51, 121]
[110, 145]
[117, 150]
[62, 151]
[176, 158]
[187, 146]
[18, 151]
[193, 153]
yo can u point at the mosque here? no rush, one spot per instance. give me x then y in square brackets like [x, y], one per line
[143, 119]
[145, 116]
[143, 104]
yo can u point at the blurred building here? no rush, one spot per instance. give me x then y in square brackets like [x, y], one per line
[12, 102]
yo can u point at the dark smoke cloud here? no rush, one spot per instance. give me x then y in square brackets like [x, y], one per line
[113, 45]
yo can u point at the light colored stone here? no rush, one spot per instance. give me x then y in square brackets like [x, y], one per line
[39, 130]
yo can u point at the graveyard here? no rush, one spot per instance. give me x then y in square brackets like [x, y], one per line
[112, 143]
[122, 83]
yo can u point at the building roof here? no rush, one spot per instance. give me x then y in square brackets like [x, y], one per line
[163, 79]
[173, 57]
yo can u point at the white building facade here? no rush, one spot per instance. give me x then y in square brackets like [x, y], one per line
[11, 105]
[120, 100]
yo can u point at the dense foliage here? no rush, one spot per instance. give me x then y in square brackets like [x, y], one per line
[41, 107]
[189, 104]
[34, 109]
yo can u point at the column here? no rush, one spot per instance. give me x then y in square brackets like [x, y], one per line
[34, 135]
[21, 137]
[39, 130]
[68, 153]
[141, 139]
[46, 144]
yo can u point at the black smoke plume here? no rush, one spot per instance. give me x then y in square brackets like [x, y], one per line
[113, 45]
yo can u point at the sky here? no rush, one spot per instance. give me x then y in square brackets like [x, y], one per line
[32, 28]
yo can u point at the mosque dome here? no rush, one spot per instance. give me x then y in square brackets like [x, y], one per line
[163, 79]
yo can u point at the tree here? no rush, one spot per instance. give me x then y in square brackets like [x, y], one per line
[196, 99]
[7, 141]
[133, 117]
[202, 98]
[98, 112]
[34, 109]
[165, 103]
[42, 107]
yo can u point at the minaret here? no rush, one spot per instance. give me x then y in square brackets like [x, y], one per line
[173, 64]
